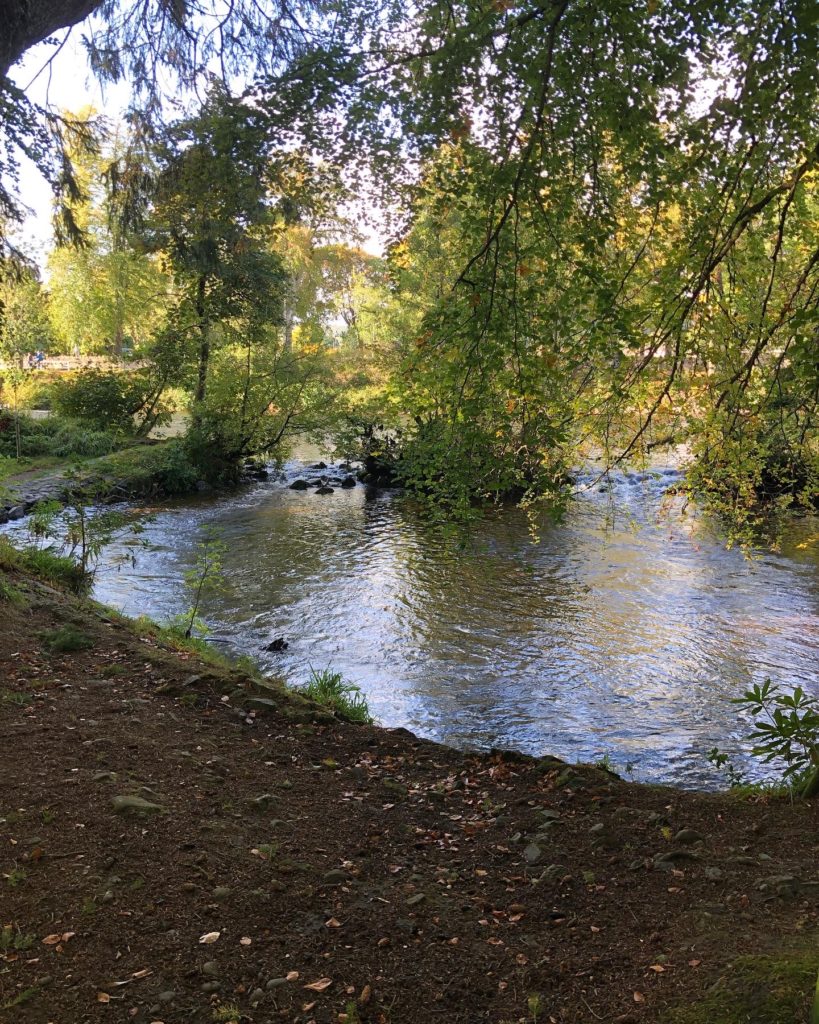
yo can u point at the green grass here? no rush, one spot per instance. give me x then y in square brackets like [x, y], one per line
[758, 990]
[67, 639]
[12, 940]
[46, 564]
[333, 691]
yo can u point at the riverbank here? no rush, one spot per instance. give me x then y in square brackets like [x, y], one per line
[181, 843]
[150, 469]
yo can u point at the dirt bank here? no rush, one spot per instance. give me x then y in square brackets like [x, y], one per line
[179, 844]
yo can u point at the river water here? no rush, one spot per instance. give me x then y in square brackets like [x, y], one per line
[621, 631]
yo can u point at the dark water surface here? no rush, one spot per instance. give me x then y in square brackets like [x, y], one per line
[621, 631]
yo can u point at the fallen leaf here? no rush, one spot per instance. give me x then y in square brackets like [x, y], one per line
[307, 1007]
[209, 937]
[639, 997]
[320, 985]
[245, 940]
[332, 923]
[366, 995]
[292, 976]
[657, 968]
[143, 973]
[694, 963]
[103, 997]
[52, 940]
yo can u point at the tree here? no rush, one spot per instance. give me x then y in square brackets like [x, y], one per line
[210, 218]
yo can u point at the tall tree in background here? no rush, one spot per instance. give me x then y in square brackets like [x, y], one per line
[105, 295]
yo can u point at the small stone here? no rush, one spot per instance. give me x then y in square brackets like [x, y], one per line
[256, 996]
[336, 877]
[414, 900]
[671, 856]
[221, 892]
[263, 802]
[211, 969]
[275, 983]
[135, 805]
[211, 986]
[533, 854]
[713, 874]
[166, 997]
[107, 896]
[688, 836]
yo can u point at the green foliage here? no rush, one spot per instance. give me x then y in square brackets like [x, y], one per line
[109, 400]
[786, 729]
[24, 325]
[53, 436]
[48, 565]
[67, 639]
[205, 578]
[333, 691]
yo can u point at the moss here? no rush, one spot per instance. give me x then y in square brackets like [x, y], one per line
[758, 990]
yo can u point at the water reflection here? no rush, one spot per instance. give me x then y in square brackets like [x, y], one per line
[621, 631]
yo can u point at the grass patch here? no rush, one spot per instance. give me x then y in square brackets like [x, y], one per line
[24, 997]
[333, 691]
[67, 639]
[758, 990]
[19, 698]
[45, 564]
[12, 940]
[10, 594]
[16, 877]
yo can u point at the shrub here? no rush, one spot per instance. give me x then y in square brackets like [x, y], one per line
[786, 731]
[333, 691]
[110, 400]
[53, 436]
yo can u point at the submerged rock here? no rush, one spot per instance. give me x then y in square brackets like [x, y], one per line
[279, 644]
[299, 485]
[324, 489]
[348, 481]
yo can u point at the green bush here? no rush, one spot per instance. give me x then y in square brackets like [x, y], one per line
[101, 398]
[111, 400]
[53, 436]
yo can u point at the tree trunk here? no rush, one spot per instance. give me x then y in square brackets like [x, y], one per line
[204, 343]
[28, 22]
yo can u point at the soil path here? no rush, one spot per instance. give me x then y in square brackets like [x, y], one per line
[179, 844]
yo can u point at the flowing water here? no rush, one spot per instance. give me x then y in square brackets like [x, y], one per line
[621, 631]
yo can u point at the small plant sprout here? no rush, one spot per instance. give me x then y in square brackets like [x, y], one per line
[205, 577]
[535, 1005]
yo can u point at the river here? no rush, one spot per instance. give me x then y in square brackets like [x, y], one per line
[620, 632]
